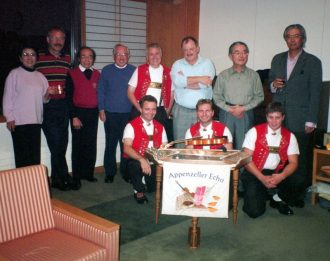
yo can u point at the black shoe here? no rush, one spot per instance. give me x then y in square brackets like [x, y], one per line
[109, 179]
[298, 203]
[92, 179]
[64, 186]
[76, 185]
[282, 207]
[141, 199]
[127, 179]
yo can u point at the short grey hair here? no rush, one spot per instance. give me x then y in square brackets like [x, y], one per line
[231, 47]
[114, 51]
[300, 28]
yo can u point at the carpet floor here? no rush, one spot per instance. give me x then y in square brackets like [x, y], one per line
[272, 237]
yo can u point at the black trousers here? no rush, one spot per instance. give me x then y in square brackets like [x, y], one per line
[256, 194]
[55, 127]
[135, 173]
[161, 116]
[304, 170]
[26, 142]
[84, 142]
[114, 127]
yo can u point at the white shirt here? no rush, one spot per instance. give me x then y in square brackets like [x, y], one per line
[149, 127]
[272, 140]
[156, 75]
[207, 132]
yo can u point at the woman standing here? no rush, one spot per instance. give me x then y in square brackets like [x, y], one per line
[24, 94]
[81, 87]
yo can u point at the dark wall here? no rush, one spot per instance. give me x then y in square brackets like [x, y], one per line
[25, 23]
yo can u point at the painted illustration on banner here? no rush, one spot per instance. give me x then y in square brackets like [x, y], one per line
[196, 190]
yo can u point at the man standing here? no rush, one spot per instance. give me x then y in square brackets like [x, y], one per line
[154, 79]
[81, 90]
[54, 64]
[237, 91]
[192, 80]
[207, 127]
[296, 79]
[114, 107]
[141, 133]
[274, 152]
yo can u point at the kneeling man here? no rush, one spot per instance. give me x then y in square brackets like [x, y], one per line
[274, 152]
[207, 127]
[142, 133]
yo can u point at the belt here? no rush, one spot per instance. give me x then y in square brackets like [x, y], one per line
[273, 149]
[231, 104]
[155, 85]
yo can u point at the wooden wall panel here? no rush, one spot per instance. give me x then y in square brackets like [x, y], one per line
[168, 21]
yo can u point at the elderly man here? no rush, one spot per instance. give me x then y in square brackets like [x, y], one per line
[237, 91]
[154, 79]
[54, 64]
[192, 79]
[296, 79]
[207, 127]
[141, 133]
[114, 107]
[81, 91]
[274, 152]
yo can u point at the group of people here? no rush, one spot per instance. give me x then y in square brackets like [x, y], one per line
[135, 105]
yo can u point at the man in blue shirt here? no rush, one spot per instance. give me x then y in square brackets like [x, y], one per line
[114, 107]
[192, 77]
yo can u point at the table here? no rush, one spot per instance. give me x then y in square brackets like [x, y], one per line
[320, 158]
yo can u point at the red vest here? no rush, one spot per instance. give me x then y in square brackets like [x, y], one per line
[144, 82]
[141, 139]
[84, 90]
[217, 127]
[261, 151]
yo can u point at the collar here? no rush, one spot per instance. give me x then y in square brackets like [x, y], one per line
[120, 67]
[83, 68]
[145, 123]
[27, 68]
[296, 57]
[197, 62]
[272, 132]
[154, 69]
[232, 71]
[207, 128]
[62, 54]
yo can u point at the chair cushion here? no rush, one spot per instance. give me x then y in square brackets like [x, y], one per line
[25, 206]
[51, 245]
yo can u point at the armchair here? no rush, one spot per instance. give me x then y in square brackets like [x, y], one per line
[35, 227]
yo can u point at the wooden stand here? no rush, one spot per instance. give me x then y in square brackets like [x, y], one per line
[321, 158]
[194, 234]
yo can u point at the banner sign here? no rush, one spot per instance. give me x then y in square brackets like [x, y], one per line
[196, 190]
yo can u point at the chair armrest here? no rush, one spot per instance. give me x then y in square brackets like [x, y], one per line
[87, 226]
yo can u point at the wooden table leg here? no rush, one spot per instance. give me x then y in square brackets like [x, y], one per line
[235, 195]
[159, 175]
[194, 234]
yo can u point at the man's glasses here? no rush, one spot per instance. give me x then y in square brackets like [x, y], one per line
[293, 36]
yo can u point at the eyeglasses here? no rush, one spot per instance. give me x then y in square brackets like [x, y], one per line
[26, 54]
[240, 53]
[121, 54]
[293, 36]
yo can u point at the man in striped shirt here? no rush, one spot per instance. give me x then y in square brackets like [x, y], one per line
[54, 64]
